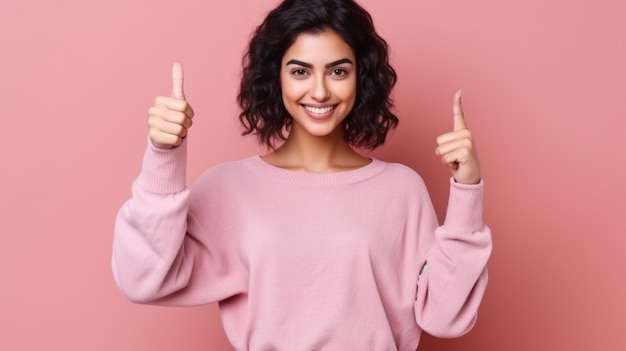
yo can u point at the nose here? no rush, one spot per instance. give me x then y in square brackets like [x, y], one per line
[319, 90]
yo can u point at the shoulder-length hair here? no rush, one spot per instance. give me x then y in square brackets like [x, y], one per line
[260, 97]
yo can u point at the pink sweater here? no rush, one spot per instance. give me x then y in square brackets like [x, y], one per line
[304, 261]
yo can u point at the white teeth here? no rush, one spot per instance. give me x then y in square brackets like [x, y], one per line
[319, 110]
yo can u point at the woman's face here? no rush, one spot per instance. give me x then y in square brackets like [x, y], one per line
[318, 80]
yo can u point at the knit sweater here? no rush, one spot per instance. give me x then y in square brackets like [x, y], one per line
[351, 260]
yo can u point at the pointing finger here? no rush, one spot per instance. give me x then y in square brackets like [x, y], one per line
[177, 80]
[457, 111]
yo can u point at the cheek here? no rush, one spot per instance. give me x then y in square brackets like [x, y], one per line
[289, 91]
[347, 91]
[289, 98]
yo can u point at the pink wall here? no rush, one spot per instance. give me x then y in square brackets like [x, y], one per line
[544, 87]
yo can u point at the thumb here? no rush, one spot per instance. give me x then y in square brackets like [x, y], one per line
[177, 80]
[457, 111]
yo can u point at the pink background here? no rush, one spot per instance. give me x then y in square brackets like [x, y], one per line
[544, 92]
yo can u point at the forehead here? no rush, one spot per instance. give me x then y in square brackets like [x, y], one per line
[319, 48]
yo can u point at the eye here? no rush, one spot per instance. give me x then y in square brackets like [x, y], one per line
[299, 72]
[339, 72]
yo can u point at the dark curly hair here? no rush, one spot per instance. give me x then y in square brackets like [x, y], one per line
[260, 98]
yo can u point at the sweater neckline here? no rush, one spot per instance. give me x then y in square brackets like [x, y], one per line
[283, 175]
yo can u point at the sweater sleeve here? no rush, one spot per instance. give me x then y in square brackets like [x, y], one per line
[160, 254]
[453, 280]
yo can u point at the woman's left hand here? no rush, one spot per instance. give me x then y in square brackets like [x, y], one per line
[457, 149]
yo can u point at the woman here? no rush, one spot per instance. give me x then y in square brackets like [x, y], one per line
[311, 246]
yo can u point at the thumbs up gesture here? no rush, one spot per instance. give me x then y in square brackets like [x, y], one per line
[457, 149]
[171, 116]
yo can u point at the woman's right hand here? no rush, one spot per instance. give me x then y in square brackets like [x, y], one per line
[171, 117]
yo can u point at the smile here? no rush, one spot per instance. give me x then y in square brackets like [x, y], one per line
[319, 110]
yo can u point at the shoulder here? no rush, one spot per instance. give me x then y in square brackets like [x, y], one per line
[401, 173]
[225, 172]
[403, 184]
[230, 166]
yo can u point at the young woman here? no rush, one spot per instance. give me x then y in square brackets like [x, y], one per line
[311, 246]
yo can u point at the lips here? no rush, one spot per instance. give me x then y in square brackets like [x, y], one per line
[319, 112]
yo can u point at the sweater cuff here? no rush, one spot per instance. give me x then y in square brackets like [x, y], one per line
[164, 171]
[465, 207]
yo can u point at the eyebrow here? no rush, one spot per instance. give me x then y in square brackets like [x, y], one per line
[308, 65]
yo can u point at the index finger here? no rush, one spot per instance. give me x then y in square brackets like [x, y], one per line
[177, 80]
[457, 111]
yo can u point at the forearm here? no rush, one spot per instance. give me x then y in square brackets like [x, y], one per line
[451, 287]
[150, 228]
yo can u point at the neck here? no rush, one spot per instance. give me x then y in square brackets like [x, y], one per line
[316, 154]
